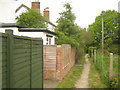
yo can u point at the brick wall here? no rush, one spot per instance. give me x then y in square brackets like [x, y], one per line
[65, 59]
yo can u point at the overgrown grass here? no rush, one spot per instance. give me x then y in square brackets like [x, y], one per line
[73, 75]
[94, 78]
[102, 67]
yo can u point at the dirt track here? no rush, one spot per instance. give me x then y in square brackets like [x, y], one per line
[83, 81]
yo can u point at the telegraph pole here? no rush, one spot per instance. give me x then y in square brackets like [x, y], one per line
[102, 42]
[102, 35]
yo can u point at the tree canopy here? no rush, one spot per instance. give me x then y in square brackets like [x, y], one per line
[66, 27]
[110, 18]
[32, 19]
[69, 32]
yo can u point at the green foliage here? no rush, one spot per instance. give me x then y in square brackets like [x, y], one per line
[82, 37]
[32, 19]
[102, 67]
[70, 33]
[114, 48]
[110, 29]
[66, 21]
[66, 27]
[94, 78]
[63, 39]
[72, 77]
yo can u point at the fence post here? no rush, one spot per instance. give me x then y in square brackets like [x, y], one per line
[9, 33]
[1, 61]
[92, 53]
[95, 56]
[111, 65]
[31, 63]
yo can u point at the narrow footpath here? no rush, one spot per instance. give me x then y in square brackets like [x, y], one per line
[83, 81]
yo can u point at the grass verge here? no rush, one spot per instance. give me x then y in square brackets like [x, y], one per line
[73, 75]
[94, 78]
[71, 78]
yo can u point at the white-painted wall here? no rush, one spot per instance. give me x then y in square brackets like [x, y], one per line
[53, 40]
[15, 30]
[38, 35]
[34, 34]
[31, 34]
[51, 28]
[7, 11]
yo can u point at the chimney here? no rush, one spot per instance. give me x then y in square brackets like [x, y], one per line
[46, 13]
[36, 6]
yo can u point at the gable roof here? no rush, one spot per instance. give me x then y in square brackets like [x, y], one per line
[52, 24]
[22, 5]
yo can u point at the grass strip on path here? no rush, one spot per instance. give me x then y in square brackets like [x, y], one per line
[94, 78]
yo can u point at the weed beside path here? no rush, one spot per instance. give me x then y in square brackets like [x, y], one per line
[73, 75]
[71, 78]
[94, 78]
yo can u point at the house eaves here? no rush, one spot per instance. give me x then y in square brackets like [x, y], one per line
[36, 30]
[8, 25]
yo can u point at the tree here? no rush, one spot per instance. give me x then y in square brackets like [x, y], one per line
[70, 33]
[110, 28]
[66, 27]
[66, 21]
[63, 39]
[32, 19]
[84, 38]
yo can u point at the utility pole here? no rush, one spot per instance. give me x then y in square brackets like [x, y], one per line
[102, 35]
[102, 43]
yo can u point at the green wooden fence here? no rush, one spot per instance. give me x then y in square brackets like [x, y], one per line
[0, 62]
[22, 61]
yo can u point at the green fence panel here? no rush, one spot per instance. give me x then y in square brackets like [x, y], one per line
[0, 61]
[21, 62]
[36, 63]
[3, 60]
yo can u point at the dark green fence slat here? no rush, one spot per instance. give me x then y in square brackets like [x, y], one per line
[37, 76]
[21, 55]
[22, 70]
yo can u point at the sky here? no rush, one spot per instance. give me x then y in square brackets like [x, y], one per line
[84, 10]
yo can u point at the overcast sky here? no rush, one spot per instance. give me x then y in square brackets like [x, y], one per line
[84, 10]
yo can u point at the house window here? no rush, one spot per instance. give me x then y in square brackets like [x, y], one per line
[48, 39]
